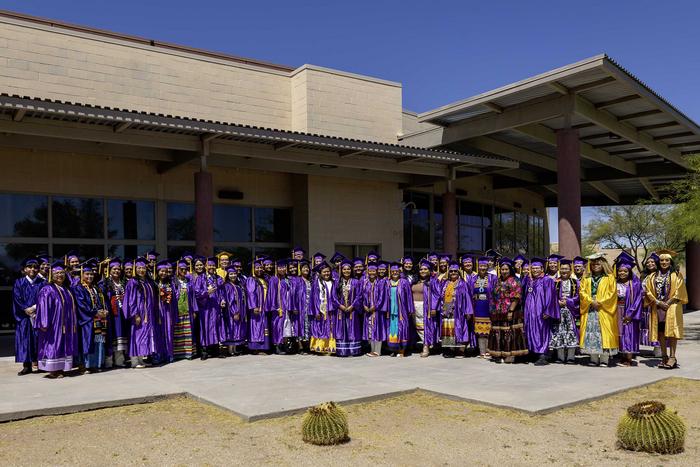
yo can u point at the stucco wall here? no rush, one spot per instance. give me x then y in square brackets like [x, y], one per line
[355, 212]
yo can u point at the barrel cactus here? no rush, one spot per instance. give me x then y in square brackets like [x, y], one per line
[325, 424]
[648, 426]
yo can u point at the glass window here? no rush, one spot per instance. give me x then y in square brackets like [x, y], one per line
[470, 213]
[363, 250]
[505, 232]
[181, 225]
[416, 221]
[273, 224]
[231, 223]
[437, 222]
[129, 251]
[521, 233]
[77, 217]
[346, 250]
[23, 216]
[131, 220]
[84, 251]
[176, 251]
[470, 238]
[273, 252]
[11, 255]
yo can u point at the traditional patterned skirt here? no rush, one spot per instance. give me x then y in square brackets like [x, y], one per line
[645, 335]
[419, 320]
[182, 341]
[593, 337]
[482, 318]
[323, 345]
[564, 333]
[506, 336]
[447, 326]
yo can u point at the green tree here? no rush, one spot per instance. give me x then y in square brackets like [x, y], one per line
[685, 217]
[638, 229]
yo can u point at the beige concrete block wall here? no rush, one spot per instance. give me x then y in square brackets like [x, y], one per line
[355, 212]
[86, 175]
[336, 103]
[53, 63]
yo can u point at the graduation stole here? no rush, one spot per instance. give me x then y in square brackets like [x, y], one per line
[63, 308]
[398, 296]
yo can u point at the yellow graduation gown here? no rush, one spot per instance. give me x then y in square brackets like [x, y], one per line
[674, 314]
[606, 297]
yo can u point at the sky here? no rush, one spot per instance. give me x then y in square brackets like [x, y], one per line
[441, 51]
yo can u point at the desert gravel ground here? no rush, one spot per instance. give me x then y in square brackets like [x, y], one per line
[414, 429]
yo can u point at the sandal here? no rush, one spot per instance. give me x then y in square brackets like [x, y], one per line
[672, 363]
[663, 363]
[424, 354]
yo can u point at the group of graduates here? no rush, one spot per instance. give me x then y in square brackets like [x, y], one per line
[75, 316]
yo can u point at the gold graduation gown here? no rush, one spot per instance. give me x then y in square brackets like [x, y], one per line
[674, 314]
[606, 297]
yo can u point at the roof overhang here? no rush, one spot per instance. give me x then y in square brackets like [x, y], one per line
[632, 140]
[173, 141]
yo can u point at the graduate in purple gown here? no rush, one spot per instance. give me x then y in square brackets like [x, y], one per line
[348, 327]
[234, 330]
[399, 312]
[407, 271]
[56, 324]
[208, 289]
[482, 286]
[72, 263]
[283, 309]
[565, 336]
[375, 307]
[302, 289]
[455, 311]
[335, 263]
[92, 320]
[24, 298]
[323, 310]
[541, 309]
[112, 288]
[358, 268]
[140, 307]
[256, 298]
[630, 299]
[428, 300]
[167, 310]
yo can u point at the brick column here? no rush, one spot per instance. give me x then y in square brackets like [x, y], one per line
[449, 223]
[569, 192]
[692, 271]
[204, 213]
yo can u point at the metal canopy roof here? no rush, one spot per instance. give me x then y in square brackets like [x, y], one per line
[70, 121]
[632, 140]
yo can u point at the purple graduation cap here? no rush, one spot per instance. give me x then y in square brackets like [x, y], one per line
[30, 260]
[653, 256]
[406, 259]
[182, 264]
[236, 262]
[453, 266]
[492, 254]
[58, 266]
[372, 266]
[424, 263]
[345, 262]
[580, 260]
[538, 262]
[70, 255]
[372, 256]
[298, 249]
[565, 261]
[114, 262]
[187, 255]
[212, 260]
[519, 258]
[394, 267]
[555, 257]
[506, 260]
[337, 257]
[164, 264]
[321, 267]
[483, 260]
[466, 259]
[320, 255]
[431, 255]
[625, 260]
[152, 255]
[358, 262]
[43, 258]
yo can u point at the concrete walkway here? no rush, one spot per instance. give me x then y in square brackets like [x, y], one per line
[257, 387]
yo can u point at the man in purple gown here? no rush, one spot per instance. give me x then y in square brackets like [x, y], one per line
[24, 297]
[56, 324]
[140, 307]
[167, 310]
[540, 310]
[208, 289]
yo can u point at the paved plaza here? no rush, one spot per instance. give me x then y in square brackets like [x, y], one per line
[256, 387]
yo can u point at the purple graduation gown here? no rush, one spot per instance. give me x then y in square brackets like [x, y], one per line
[209, 308]
[374, 296]
[630, 332]
[24, 295]
[463, 310]
[57, 328]
[406, 309]
[140, 299]
[322, 325]
[540, 299]
[431, 302]
[86, 312]
[259, 332]
[348, 325]
[282, 303]
[167, 312]
[234, 322]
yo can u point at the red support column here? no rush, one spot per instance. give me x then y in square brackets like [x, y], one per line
[204, 213]
[449, 223]
[692, 272]
[569, 192]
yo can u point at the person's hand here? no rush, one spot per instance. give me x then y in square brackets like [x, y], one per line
[42, 329]
[373, 309]
[594, 305]
[137, 320]
[544, 316]
[236, 317]
[223, 303]
[433, 313]
[256, 311]
[562, 302]
[664, 306]
[626, 320]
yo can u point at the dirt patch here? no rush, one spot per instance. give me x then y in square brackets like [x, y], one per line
[414, 429]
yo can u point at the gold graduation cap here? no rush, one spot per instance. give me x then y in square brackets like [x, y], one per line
[219, 255]
[665, 253]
